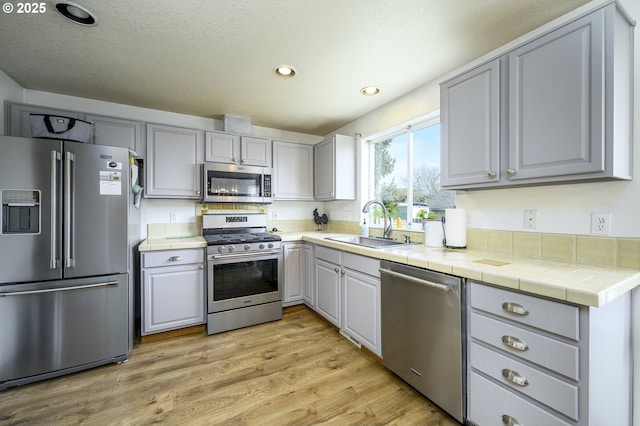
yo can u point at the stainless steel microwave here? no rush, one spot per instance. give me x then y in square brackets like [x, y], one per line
[232, 183]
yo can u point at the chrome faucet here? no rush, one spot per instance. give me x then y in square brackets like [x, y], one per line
[387, 228]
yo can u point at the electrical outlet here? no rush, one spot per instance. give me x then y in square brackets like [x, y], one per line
[601, 223]
[173, 217]
[530, 219]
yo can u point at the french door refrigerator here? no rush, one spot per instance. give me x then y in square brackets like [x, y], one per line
[63, 258]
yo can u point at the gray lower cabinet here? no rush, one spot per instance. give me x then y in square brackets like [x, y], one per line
[18, 117]
[174, 157]
[361, 308]
[297, 273]
[553, 109]
[173, 290]
[534, 361]
[118, 132]
[348, 294]
[308, 276]
[327, 278]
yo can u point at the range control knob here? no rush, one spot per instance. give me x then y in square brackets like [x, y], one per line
[231, 248]
[247, 247]
[270, 245]
[261, 246]
[221, 249]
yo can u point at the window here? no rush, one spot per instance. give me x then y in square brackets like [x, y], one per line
[405, 170]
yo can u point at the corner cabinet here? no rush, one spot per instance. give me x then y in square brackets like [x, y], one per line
[554, 109]
[173, 291]
[237, 149]
[534, 361]
[298, 260]
[174, 156]
[334, 169]
[292, 171]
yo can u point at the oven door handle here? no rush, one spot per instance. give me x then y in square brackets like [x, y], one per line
[240, 255]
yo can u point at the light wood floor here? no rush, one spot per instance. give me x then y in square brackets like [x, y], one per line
[297, 371]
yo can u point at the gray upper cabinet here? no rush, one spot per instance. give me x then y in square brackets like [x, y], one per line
[19, 120]
[470, 119]
[117, 132]
[236, 149]
[335, 169]
[174, 156]
[554, 109]
[292, 171]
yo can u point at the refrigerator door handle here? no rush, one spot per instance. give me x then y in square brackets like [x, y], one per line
[68, 213]
[54, 289]
[53, 262]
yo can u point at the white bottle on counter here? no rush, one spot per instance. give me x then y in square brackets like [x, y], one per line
[364, 229]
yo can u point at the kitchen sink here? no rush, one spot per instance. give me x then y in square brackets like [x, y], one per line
[371, 242]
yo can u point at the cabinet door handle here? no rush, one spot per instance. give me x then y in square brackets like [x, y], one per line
[509, 421]
[511, 172]
[492, 175]
[175, 258]
[342, 272]
[514, 377]
[337, 269]
[515, 343]
[515, 308]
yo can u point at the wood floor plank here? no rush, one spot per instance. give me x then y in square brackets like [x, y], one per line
[297, 371]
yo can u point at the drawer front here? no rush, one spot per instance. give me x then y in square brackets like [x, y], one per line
[555, 355]
[363, 264]
[490, 404]
[153, 259]
[555, 393]
[330, 255]
[547, 315]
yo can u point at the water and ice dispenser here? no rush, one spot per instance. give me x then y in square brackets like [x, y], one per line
[20, 211]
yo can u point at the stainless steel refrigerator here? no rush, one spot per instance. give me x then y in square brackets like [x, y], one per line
[64, 255]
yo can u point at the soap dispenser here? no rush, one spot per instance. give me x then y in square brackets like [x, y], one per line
[364, 228]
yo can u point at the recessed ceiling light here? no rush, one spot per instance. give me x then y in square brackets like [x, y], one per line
[284, 71]
[76, 13]
[370, 90]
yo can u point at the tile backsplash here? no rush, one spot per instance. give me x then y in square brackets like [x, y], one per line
[604, 251]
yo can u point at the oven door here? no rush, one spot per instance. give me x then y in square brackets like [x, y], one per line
[244, 279]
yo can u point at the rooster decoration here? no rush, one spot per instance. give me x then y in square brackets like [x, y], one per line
[320, 220]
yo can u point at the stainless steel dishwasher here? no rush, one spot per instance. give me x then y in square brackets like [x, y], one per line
[422, 329]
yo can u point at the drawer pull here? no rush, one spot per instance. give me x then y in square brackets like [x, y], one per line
[514, 377]
[515, 343]
[175, 258]
[515, 308]
[510, 421]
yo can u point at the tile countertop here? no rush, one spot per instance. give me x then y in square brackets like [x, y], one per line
[169, 243]
[571, 282]
[577, 283]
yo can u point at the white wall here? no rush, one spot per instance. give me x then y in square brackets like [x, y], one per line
[561, 208]
[9, 91]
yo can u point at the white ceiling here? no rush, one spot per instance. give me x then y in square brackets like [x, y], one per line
[213, 57]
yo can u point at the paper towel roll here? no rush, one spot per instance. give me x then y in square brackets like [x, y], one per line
[433, 234]
[455, 228]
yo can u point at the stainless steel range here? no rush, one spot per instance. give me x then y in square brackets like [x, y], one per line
[244, 271]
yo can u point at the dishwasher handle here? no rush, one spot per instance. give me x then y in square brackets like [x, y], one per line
[431, 284]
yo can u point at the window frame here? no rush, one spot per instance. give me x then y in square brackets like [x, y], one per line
[407, 128]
